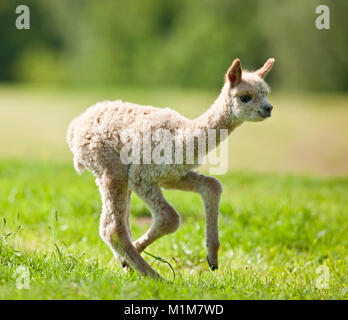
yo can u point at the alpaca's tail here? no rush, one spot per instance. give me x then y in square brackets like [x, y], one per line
[79, 167]
[70, 135]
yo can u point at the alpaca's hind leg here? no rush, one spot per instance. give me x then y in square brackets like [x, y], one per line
[165, 219]
[123, 262]
[210, 190]
[114, 227]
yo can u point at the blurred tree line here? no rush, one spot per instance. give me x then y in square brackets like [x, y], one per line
[173, 42]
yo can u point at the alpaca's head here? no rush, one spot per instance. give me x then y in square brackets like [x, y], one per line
[248, 92]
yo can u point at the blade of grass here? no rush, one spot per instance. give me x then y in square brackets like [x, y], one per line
[161, 260]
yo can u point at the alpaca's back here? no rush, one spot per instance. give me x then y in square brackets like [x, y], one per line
[112, 124]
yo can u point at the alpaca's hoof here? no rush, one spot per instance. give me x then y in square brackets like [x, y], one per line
[125, 266]
[213, 266]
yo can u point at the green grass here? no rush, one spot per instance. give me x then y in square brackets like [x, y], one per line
[275, 231]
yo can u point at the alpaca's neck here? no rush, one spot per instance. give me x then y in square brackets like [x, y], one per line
[219, 115]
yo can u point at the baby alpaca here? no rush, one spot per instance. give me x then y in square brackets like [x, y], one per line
[95, 139]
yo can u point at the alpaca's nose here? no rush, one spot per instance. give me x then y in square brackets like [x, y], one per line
[267, 108]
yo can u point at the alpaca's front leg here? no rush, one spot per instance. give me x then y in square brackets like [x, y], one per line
[165, 219]
[211, 193]
[210, 190]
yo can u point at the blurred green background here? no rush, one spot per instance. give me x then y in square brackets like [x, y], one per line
[174, 42]
[174, 54]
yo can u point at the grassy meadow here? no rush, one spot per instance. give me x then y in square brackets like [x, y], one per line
[284, 210]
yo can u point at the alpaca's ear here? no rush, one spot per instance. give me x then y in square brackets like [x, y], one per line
[234, 73]
[262, 72]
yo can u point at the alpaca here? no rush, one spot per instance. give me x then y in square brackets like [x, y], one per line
[96, 140]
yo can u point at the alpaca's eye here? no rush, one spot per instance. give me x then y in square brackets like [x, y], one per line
[245, 98]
